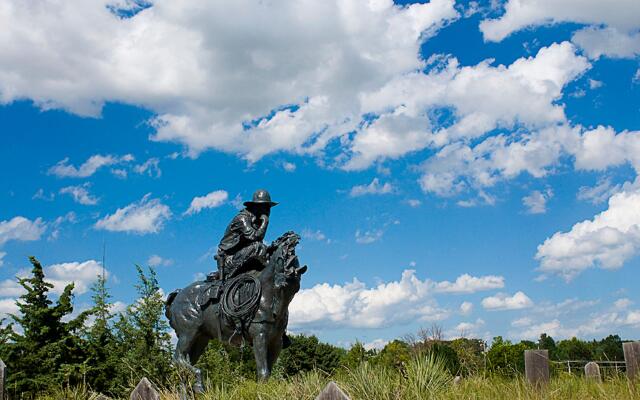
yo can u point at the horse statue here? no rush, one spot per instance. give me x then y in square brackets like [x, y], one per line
[253, 308]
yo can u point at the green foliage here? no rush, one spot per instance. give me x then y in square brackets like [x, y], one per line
[356, 355]
[507, 359]
[470, 355]
[446, 355]
[44, 350]
[609, 348]
[395, 354]
[307, 353]
[574, 349]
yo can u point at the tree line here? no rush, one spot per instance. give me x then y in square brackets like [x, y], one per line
[47, 347]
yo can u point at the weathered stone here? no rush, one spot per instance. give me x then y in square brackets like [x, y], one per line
[144, 391]
[332, 392]
[457, 380]
[592, 371]
[3, 380]
[536, 366]
[632, 358]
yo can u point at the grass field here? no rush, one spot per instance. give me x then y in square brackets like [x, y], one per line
[422, 379]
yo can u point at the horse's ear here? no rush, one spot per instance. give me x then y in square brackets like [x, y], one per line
[301, 270]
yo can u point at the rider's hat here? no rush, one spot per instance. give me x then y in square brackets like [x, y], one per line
[261, 196]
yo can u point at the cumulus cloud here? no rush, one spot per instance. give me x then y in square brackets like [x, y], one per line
[470, 284]
[503, 301]
[599, 193]
[82, 274]
[21, 228]
[64, 170]
[8, 306]
[244, 78]
[520, 14]
[157, 261]
[466, 329]
[536, 201]
[211, 200]
[145, 216]
[358, 306]
[80, 194]
[466, 308]
[375, 187]
[606, 241]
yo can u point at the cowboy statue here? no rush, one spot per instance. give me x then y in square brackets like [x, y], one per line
[241, 247]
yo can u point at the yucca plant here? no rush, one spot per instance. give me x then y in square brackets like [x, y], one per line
[426, 377]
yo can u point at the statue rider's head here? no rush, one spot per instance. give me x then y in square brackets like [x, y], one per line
[260, 203]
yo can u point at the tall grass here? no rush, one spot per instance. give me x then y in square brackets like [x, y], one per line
[422, 378]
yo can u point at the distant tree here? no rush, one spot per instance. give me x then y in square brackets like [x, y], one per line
[609, 348]
[307, 353]
[143, 346]
[546, 342]
[506, 358]
[356, 355]
[395, 354]
[470, 354]
[574, 349]
[45, 351]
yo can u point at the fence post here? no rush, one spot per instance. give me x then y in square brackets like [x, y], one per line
[536, 366]
[332, 392]
[592, 372]
[632, 358]
[3, 380]
[144, 391]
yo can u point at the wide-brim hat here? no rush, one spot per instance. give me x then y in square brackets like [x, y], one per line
[261, 196]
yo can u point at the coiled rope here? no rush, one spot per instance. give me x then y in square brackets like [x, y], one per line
[240, 300]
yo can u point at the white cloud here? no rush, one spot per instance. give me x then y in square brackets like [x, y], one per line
[21, 228]
[355, 305]
[80, 194]
[288, 166]
[608, 42]
[56, 225]
[466, 308]
[607, 241]
[623, 15]
[62, 169]
[8, 306]
[622, 304]
[599, 193]
[414, 203]
[150, 167]
[601, 148]
[314, 235]
[218, 75]
[211, 200]
[521, 322]
[467, 329]
[470, 284]
[156, 261]
[82, 274]
[377, 344]
[10, 288]
[595, 84]
[536, 201]
[375, 187]
[368, 237]
[503, 301]
[3, 254]
[529, 91]
[142, 217]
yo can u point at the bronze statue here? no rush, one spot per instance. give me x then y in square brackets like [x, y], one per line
[247, 301]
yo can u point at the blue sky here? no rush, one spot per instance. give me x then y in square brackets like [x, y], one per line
[466, 164]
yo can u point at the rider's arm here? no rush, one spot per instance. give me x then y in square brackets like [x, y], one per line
[252, 233]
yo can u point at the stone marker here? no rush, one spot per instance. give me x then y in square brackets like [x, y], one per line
[332, 392]
[536, 366]
[3, 380]
[144, 391]
[457, 380]
[632, 358]
[592, 372]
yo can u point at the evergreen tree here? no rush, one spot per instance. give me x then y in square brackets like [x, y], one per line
[143, 346]
[45, 351]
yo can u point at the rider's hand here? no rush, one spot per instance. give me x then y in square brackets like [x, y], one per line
[264, 218]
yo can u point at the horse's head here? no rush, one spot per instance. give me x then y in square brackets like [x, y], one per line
[286, 266]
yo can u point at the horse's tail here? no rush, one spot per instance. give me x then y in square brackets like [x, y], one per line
[167, 304]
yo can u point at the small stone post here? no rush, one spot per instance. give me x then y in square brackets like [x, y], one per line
[632, 358]
[332, 392]
[592, 372]
[144, 391]
[536, 366]
[3, 380]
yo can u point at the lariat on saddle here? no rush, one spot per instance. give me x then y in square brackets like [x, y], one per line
[240, 301]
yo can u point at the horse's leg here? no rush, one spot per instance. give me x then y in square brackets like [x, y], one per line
[182, 356]
[260, 352]
[198, 347]
[273, 351]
